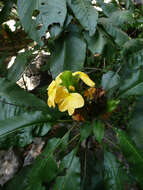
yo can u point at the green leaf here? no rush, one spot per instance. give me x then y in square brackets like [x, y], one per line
[85, 130]
[133, 155]
[112, 105]
[42, 171]
[13, 94]
[132, 53]
[118, 35]
[133, 85]
[15, 72]
[11, 125]
[64, 56]
[85, 13]
[19, 138]
[110, 80]
[71, 180]
[46, 13]
[95, 43]
[92, 174]
[108, 8]
[135, 128]
[19, 181]
[114, 176]
[119, 18]
[45, 166]
[8, 110]
[68, 79]
[98, 130]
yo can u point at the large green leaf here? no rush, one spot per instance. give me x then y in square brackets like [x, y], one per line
[133, 85]
[92, 174]
[46, 13]
[15, 72]
[108, 8]
[30, 119]
[133, 155]
[85, 130]
[110, 80]
[42, 171]
[71, 180]
[64, 56]
[98, 130]
[132, 53]
[19, 181]
[113, 173]
[45, 167]
[85, 13]
[117, 16]
[96, 43]
[8, 110]
[118, 35]
[136, 124]
[13, 94]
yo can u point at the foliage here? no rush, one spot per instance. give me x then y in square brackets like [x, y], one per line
[99, 146]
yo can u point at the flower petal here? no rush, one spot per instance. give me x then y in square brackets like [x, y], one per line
[85, 78]
[61, 94]
[58, 79]
[71, 102]
[52, 93]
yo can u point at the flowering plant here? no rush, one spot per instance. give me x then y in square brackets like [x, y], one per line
[63, 91]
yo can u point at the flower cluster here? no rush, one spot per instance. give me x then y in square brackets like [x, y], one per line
[63, 91]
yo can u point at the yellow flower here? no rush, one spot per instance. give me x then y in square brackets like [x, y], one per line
[52, 93]
[52, 90]
[71, 102]
[85, 78]
[66, 101]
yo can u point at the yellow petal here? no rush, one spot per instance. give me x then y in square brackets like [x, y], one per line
[61, 94]
[51, 87]
[58, 79]
[71, 102]
[85, 78]
[52, 94]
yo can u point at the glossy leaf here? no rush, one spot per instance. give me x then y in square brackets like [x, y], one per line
[118, 35]
[92, 175]
[135, 128]
[110, 80]
[43, 170]
[117, 16]
[13, 94]
[98, 130]
[45, 166]
[114, 175]
[85, 130]
[108, 8]
[15, 72]
[16, 123]
[85, 13]
[46, 13]
[133, 85]
[19, 181]
[133, 155]
[120, 18]
[95, 43]
[71, 180]
[132, 53]
[64, 56]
